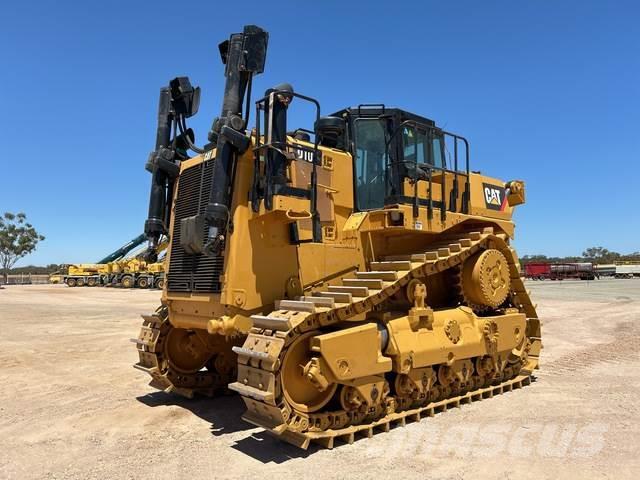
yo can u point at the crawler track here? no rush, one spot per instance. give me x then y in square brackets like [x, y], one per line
[151, 349]
[260, 358]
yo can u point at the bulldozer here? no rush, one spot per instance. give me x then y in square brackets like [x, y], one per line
[342, 278]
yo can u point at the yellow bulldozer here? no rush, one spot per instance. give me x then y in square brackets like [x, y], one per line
[341, 278]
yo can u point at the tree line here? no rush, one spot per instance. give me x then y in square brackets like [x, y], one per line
[594, 255]
[598, 255]
[36, 269]
[19, 238]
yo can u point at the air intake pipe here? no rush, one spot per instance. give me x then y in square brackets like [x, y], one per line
[244, 55]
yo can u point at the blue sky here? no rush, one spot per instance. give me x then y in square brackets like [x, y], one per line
[546, 91]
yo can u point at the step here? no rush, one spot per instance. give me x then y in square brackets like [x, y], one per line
[251, 392]
[296, 306]
[354, 291]
[372, 283]
[271, 323]
[386, 276]
[337, 296]
[391, 266]
[319, 301]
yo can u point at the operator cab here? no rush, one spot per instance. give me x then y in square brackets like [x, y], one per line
[398, 157]
[390, 146]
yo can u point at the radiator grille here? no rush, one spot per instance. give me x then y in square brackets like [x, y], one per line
[193, 273]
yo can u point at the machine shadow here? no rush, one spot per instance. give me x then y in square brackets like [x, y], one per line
[265, 448]
[223, 412]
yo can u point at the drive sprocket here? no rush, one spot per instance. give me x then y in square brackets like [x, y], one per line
[484, 280]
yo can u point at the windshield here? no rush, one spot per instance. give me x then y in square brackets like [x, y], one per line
[419, 148]
[371, 161]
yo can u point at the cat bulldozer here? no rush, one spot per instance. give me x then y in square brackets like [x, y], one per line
[342, 278]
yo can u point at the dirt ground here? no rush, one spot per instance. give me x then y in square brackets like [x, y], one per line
[72, 406]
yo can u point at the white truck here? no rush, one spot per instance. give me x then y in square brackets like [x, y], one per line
[627, 270]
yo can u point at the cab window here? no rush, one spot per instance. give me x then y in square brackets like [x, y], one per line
[419, 148]
[371, 162]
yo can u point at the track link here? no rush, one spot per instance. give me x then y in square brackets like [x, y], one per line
[151, 350]
[259, 359]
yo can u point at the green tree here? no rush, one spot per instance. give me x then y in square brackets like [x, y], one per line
[17, 239]
[631, 257]
[600, 255]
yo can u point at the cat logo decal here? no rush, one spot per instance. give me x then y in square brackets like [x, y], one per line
[494, 197]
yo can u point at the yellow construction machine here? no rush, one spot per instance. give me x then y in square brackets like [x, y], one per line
[92, 274]
[120, 268]
[136, 271]
[342, 278]
[56, 277]
[85, 274]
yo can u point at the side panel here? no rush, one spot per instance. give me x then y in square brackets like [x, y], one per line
[488, 198]
[259, 258]
[338, 254]
[322, 262]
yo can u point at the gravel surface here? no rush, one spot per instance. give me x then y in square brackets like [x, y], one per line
[73, 407]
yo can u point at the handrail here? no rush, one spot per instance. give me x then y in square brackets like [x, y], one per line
[261, 105]
[430, 167]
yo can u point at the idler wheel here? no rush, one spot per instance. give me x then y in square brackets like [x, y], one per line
[301, 393]
[185, 351]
